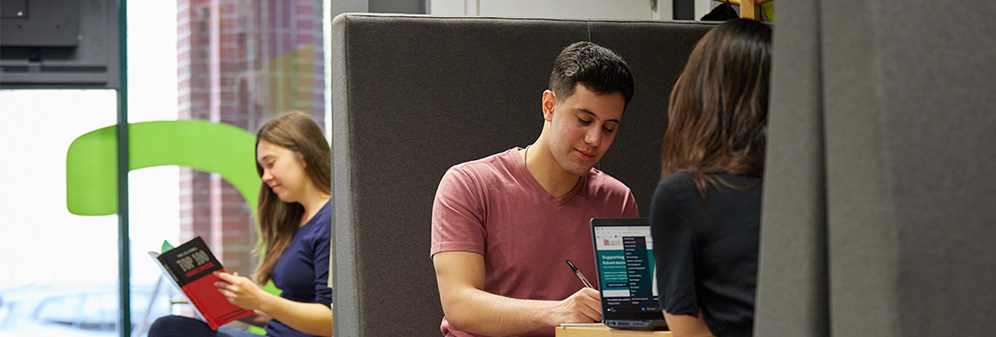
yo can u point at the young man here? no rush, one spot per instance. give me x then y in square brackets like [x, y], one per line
[503, 225]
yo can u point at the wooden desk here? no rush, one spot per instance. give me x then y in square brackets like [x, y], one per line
[599, 330]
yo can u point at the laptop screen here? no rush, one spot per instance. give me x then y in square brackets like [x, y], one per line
[624, 257]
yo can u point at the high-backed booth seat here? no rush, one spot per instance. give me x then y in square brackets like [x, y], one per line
[414, 95]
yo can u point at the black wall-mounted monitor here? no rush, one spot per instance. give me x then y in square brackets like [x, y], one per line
[59, 44]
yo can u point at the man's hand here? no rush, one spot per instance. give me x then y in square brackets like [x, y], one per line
[460, 276]
[584, 306]
[239, 290]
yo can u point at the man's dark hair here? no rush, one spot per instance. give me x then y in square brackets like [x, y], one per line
[596, 67]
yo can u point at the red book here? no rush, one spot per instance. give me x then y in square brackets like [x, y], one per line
[191, 267]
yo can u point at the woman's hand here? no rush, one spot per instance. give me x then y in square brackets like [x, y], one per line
[258, 318]
[310, 318]
[240, 290]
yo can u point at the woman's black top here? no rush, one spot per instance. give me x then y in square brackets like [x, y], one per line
[706, 251]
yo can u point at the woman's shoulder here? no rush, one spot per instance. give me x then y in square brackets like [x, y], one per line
[741, 181]
[676, 189]
[676, 183]
[683, 181]
[320, 226]
[677, 177]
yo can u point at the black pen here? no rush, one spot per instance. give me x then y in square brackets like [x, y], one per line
[578, 274]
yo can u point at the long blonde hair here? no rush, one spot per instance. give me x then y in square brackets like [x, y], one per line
[278, 220]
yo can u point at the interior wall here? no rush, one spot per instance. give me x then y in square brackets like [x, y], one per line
[379, 6]
[565, 9]
[398, 6]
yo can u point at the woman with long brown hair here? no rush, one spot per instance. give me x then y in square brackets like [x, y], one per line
[705, 215]
[293, 160]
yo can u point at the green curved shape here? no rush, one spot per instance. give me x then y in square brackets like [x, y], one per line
[91, 162]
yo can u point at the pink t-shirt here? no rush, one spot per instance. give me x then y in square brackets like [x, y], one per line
[494, 207]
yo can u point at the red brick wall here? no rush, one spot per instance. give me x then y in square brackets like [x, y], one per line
[240, 62]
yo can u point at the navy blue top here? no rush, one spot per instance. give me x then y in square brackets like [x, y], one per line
[302, 271]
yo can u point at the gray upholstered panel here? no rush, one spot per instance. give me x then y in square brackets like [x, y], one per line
[938, 126]
[861, 226]
[911, 140]
[792, 282]
[414, 95]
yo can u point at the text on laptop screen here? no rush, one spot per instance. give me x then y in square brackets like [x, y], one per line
[627, 268]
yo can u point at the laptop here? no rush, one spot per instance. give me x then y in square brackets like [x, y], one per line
[627, 275]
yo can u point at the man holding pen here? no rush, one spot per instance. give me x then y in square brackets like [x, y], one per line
[503, 225]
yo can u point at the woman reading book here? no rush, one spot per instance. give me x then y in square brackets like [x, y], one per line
[293, 160]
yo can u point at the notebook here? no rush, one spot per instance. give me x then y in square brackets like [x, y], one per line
[627, 273]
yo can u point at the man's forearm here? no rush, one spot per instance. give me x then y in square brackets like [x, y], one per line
[468, 307]
[480, 312]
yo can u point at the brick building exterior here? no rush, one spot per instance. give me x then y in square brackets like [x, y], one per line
[241, 62]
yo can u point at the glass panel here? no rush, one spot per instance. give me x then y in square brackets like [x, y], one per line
[61, 310]
[100, 311]
[153, 192]
[232, 63]
[51, 257]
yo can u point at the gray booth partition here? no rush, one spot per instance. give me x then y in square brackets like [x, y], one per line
[414, 95]
[878, 215]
